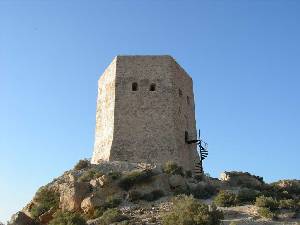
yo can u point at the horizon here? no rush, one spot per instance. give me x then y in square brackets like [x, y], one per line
[243, 58]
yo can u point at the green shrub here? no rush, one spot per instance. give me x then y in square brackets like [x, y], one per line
[172, 168]
[188, 174]
[246, 195]
[290, 186]
[96, 213]
[233, 223]
[114, 175]
[134, 177]
[288, 204]
[204, 191]
[225, 199]
[153, 195]
[188, 211]
[112, 201]
[181, 190]
[111, 216]
[88, 175]
[44, 199]
[266, 213]
[134, 196]
[266, 202]
[67, 218]
[82, 164]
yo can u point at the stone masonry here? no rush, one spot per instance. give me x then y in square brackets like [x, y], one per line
[145, 107]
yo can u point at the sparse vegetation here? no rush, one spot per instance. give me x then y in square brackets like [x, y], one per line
[172, 168]
[204, 191]
[153, 195]
[225, 199]
[187, 210]
[44, 199]
[266, 213]
[82, 164]
[96, 213]
[67, 218]
[114, 175]
[289, 204]
[89, 174]
[134, 196]
[188, 174]
[112, 201]
[266, 202]
[134, 177]
[246, 195]
[111, 216]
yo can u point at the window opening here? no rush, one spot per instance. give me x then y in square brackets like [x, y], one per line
[152, 87]
[134, 86]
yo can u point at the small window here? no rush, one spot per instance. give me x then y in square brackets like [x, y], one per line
[180, 92]
[152, 87]
[186, 136]
[188, 100]
[134, 86]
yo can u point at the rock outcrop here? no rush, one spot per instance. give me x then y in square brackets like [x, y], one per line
[142, 192]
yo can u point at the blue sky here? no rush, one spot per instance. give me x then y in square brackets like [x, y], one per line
[244, 58]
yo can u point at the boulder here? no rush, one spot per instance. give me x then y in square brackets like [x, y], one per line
[21, 218]
[72, 194]
[89, 203]
[102, 181]
[47, 216]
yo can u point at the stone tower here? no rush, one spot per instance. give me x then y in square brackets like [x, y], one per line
[145, 110]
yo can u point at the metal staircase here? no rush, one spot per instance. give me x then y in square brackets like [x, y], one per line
[202, 151]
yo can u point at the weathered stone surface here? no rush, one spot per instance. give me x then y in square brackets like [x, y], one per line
[47, 216]
[90, 203]
[144, 125]
[21, 218]
[72, 194]
[241, 179]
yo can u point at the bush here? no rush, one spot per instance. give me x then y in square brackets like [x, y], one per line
[290, 186]
[134, 196]
[233, 223]
[67, 218]
[266, 213]
[112, 201]
[45, 199]
[134, 177]
[225, 199]
[96, 213]
[187, 210]
[153, 195]
[172, 168]
[266, 202]
[188, 174]
[111, 216]
[288, 204]
[114, 175]
[246, 195]
[82, 164]
[88, 175]
[204, 191]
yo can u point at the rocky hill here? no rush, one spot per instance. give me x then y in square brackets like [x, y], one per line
[131, 193]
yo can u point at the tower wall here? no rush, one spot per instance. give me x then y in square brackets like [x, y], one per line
[145, 125]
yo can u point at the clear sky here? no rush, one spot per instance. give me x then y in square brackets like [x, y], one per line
[244, 58]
